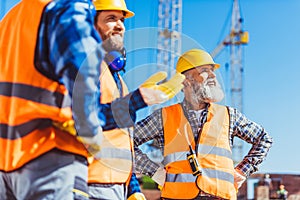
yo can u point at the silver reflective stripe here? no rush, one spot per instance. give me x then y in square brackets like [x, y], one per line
[114, 153]
[178, 156]
[182, 177]
[211, 173]
[205, 149]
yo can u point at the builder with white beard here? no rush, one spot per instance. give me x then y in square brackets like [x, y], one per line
[196, 138]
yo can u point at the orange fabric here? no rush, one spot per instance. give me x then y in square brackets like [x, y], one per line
[111, 170]
[30, 111]
[23, 33]
[15, 153]
[180, 190]
[17, 38]
[175, 124]
[175, 141]
[214, 134]
[109, 89]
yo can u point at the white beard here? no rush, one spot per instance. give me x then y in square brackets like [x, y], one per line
[207, 93]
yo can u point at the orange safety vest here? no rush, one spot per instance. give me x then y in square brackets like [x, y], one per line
[214, 155]
[29, 100]
[114, 161]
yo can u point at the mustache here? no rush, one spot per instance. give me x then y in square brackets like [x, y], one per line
[211, 81]
[208, 92]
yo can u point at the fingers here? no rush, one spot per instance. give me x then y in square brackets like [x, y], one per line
[173, 86]
[177, 77]
[154, 93]
[155, 78]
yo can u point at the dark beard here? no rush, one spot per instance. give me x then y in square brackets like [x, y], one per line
[113, 43]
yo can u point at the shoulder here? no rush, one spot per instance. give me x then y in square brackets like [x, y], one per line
[63, 8]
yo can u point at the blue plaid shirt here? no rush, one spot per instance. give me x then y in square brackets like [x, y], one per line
[151, 128]
[134, 185]
[69, 51]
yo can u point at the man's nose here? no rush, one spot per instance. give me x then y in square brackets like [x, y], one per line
[211, 74]
[120, 25]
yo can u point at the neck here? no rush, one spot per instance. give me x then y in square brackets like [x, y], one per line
[196, 106]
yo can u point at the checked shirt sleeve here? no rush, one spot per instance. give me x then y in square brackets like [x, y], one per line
[254, 134]
[69, 51]
[121, 112]
[145, 130]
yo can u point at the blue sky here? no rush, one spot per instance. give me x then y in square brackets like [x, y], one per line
[271, 92]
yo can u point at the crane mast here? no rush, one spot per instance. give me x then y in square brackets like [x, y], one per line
[236, 73]
[235, 40]
[169, 33]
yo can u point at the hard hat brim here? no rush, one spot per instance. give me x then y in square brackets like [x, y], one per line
[216, 66]
[194, 58]
[128, 13]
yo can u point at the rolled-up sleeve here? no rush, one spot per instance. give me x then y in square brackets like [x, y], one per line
[69, 51]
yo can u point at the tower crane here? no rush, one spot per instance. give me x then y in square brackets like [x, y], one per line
[169, 33]
[235, 41]
[169, 46]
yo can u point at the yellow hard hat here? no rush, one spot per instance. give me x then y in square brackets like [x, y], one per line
[194, 58]
[113, 5]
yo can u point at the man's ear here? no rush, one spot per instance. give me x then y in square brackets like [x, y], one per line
[186, 83]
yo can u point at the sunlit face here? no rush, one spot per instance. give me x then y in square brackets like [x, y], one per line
[201, 85]
[281, 187]
[110, 25]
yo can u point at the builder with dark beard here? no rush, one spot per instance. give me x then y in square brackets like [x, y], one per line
[111, 172]
[196, 138]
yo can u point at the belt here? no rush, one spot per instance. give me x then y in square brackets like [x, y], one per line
[77, 157]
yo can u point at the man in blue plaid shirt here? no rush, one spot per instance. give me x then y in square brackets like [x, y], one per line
[198, 127]
[50, 58]
[109, 22]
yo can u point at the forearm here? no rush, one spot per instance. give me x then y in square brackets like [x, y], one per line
[146, 130]
[144, 165]
[69, 51]
[256, 154]
[121, 113]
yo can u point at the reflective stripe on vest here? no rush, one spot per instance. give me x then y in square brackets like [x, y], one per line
[211, 173]
[202, 150]
[214, 155]
[114, 162]
[29, 101]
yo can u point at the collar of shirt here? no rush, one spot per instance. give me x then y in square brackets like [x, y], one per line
[197, 113]
[195, 118]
